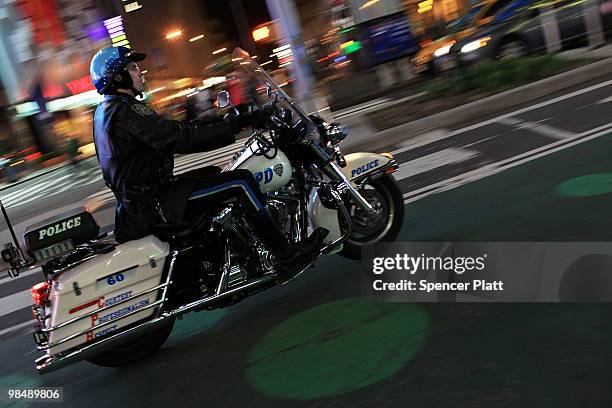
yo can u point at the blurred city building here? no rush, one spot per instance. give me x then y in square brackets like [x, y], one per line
[45, 48]
[47, 99]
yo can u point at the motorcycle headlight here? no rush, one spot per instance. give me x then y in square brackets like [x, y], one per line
[474, 45]
[336, 132]
[443, 50]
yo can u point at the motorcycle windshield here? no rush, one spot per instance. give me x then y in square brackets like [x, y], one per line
[252, 84]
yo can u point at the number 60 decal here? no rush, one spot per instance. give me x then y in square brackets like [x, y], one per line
[111, 280]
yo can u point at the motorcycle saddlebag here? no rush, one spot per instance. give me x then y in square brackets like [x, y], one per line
[105, 293]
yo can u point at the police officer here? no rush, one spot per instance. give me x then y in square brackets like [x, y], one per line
[135, 147]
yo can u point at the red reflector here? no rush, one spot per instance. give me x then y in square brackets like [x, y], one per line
[83, 306]
[390, 170]
[40, 292]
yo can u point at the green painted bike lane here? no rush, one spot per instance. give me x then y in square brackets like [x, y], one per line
[565, 196]
[545, 355]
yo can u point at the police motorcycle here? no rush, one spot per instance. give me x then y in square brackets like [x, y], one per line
[114, 304]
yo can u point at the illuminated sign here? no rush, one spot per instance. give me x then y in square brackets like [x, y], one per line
[80, 85]
[425, 6]
[265, 33]
[115, 29]
[132, 7]
[261, 33]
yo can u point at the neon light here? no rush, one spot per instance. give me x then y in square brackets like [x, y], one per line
[113, 25]
[115, 29]
[117, 33]
[80, 85]
[353, 47]
[282, 48]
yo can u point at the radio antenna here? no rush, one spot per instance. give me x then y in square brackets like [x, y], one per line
[10, 255]
[10, 226]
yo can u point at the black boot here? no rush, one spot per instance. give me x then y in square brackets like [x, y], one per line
[301, 256]
[291, 259]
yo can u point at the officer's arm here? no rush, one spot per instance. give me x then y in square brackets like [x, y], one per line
[173, 136]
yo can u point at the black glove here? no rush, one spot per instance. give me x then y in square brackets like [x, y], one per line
[244, 117]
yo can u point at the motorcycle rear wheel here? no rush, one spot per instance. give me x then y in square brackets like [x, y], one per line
[385, 194]
[135, 350]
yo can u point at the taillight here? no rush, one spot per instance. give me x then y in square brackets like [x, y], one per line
[391, 170]
[40, 292]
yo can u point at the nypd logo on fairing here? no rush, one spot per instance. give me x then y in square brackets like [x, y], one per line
[59, 228]
[364, 168]
[266, 175]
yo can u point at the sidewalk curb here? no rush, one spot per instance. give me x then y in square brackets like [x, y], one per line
[492, 104]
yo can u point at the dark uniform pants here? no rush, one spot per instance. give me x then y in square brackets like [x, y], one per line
[194, 193]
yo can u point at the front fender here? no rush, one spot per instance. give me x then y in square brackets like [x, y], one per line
[362, 164]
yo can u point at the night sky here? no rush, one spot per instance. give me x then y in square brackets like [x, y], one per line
[256, 13]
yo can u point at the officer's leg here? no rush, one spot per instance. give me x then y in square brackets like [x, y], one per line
[241, 185]
[213, 189]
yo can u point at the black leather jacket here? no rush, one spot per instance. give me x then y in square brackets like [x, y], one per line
[135, 147]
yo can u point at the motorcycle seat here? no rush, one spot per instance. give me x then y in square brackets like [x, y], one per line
[171, 231]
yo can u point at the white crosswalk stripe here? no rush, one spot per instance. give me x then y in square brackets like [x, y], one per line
[50, 185]
[182, 164]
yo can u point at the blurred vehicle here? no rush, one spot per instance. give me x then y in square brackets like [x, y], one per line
[477, 16]
[15, 163]
[388, 39]
[519, 29]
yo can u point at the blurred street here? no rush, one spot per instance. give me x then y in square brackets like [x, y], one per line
[514, 164]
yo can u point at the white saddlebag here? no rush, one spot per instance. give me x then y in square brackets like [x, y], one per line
[103, 292]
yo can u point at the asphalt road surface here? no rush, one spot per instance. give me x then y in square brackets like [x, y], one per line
[538, 172]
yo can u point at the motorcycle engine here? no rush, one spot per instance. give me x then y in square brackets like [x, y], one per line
[284, 209]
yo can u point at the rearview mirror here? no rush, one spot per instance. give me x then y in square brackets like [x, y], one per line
[223, 99]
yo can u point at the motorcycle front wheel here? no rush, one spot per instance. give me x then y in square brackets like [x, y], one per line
[135, 350]
[385, 196]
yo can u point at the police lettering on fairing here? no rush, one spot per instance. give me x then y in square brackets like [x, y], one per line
[364, 168]
[59, 228]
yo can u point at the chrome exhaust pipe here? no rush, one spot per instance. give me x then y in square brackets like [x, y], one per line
[46, 364]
